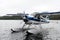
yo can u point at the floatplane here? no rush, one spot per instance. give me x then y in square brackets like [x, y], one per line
[36, 19]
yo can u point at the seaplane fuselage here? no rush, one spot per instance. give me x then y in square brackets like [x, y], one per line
[33, 20]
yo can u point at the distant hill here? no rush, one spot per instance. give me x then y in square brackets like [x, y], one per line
[10, 17]
[52, 17]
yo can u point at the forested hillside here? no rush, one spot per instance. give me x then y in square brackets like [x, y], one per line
[52, 17]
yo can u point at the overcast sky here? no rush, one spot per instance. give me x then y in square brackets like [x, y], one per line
[29, 6]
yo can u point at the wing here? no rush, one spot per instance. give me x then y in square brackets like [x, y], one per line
[46, 13]
[20, 16]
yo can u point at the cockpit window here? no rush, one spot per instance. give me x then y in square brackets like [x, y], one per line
[40, 16]
[44, 16]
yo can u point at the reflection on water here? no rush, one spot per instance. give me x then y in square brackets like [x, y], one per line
[6, 25]
[5, 32]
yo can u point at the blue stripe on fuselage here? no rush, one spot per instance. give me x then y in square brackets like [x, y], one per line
[32, 18]
[35, 19]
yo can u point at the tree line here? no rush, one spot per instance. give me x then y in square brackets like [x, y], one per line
[52, 17]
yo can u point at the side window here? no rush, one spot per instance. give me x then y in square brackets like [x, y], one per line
[44, 16]
[37, 16]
